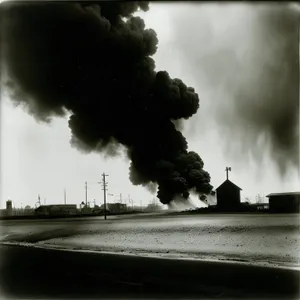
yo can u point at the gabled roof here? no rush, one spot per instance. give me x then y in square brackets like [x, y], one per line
[284, 194]
[226, 182]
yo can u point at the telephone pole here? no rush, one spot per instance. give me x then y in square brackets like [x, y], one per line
[298, 79]
[65, 197]
[86, 194]
[130, 201]
[104, 185]
[121, 198]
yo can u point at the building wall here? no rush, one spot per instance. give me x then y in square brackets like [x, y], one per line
[228, 197]
[9, 208]
[56, 210]
[3, 212]
[116, 207]
[68, 209]
[285, 203]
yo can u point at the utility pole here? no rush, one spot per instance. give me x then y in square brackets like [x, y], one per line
[121, 198]
[227, 169]
[130, 201]
[104, 184]
[65, 197]
[86, 194]
[298, 80]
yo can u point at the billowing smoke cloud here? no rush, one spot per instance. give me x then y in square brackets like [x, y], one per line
[177, 204]
[94, 61]
[245, 60]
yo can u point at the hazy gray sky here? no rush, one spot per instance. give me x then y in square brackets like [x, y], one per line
[38, 159]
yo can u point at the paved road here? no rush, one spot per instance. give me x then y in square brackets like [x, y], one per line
[35, 273]
[253, 238]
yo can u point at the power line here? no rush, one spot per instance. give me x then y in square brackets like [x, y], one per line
[110, 194]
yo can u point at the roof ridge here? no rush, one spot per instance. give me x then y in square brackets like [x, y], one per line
[227, 180]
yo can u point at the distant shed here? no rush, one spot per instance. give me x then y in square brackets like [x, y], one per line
[284, 202]
[56, 210]
[228, 196]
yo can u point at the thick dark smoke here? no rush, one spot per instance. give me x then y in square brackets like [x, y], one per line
[94, 61]
[245, 58]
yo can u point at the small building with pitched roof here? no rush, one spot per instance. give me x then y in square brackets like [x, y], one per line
[228, 196]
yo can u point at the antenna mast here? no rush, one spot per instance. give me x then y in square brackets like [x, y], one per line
[227, 169]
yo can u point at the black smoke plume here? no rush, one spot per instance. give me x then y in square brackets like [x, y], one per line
[94, 61]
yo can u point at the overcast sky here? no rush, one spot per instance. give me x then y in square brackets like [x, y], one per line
[38, 158]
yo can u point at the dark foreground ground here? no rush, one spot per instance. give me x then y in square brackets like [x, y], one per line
[35, 273]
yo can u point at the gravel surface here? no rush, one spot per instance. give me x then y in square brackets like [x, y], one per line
[251, 238]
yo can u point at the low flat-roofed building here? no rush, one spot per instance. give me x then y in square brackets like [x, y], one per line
[284, 202]
[3, 212]
[56, 210]
[115, 207]
[260, 206]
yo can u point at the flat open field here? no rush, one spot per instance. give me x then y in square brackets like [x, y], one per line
[254, 238]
